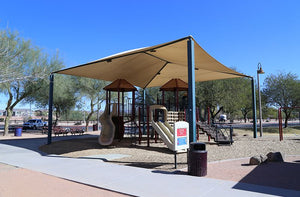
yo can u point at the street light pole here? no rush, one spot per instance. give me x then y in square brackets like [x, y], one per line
[259, 71]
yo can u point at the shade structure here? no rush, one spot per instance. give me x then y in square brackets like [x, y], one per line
[175, 84]
[120, 85]
[154, 66]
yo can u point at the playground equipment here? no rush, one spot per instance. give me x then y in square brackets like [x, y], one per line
[174, 85]
[107, 133]
[219, 133]
[120, 86]
[177, 137]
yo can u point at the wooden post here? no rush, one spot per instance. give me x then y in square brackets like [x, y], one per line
[140, 131]
[148, 127]
[280, 124]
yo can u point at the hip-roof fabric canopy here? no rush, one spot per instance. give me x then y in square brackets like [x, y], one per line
[174, 84]
[154, 66]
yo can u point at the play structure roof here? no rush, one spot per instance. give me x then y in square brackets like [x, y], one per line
[120, 85]
[154, 66]
[175, 84]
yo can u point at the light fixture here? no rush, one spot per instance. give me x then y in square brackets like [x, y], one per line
[259, 69]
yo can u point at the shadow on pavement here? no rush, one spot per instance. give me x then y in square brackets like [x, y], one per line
[33, 144]
[284, 175]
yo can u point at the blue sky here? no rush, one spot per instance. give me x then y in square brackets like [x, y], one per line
[238, 33]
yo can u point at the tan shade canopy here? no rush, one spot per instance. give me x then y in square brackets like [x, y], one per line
[120, 85]
[175, 84]
[154, 66]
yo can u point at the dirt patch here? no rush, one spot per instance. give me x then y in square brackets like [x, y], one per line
[159, 157]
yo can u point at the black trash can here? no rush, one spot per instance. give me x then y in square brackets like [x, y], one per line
[95, 127]
[197, 159]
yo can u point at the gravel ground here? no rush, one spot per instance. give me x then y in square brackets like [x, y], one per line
[159, 157]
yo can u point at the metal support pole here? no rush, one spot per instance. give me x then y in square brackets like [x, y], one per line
[123, 103]
[197, 119]
[231, 132]
[260, 111]
[208, 121]
[177, 100]
[51, 79]
[163, 97]
[191, 90]
[133, 106]
[143, 112]
[109, 101]
[175, 159]
[254, 109]
[208, 115]
[118, 104]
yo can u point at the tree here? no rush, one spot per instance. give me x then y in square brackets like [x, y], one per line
[233, 94]
[92, 91]
[64, 95]
[227, 95]
[243, 95]
[150, 96]
[23, 69]
[10, 49]
[283, 90]
[209, 94]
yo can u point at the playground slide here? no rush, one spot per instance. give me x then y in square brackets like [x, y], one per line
[107, 128]
[166, 132]
[175, 141]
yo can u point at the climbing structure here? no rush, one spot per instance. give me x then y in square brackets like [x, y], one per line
[120, 86]
[220, 134]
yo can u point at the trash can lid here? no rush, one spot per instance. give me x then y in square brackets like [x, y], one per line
[197, 146]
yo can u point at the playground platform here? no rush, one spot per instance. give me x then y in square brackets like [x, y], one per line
[132, 181]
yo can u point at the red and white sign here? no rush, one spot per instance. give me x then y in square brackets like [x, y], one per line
[181, 132]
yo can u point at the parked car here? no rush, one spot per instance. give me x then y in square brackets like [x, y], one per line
[223, 118]
[33, 124]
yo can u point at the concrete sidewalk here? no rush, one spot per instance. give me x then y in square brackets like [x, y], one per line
[24, 153]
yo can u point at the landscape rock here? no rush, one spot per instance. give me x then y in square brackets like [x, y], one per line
[275, 157]
[234, 134]
[255, 160]
[263, 158]
[258, 159]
